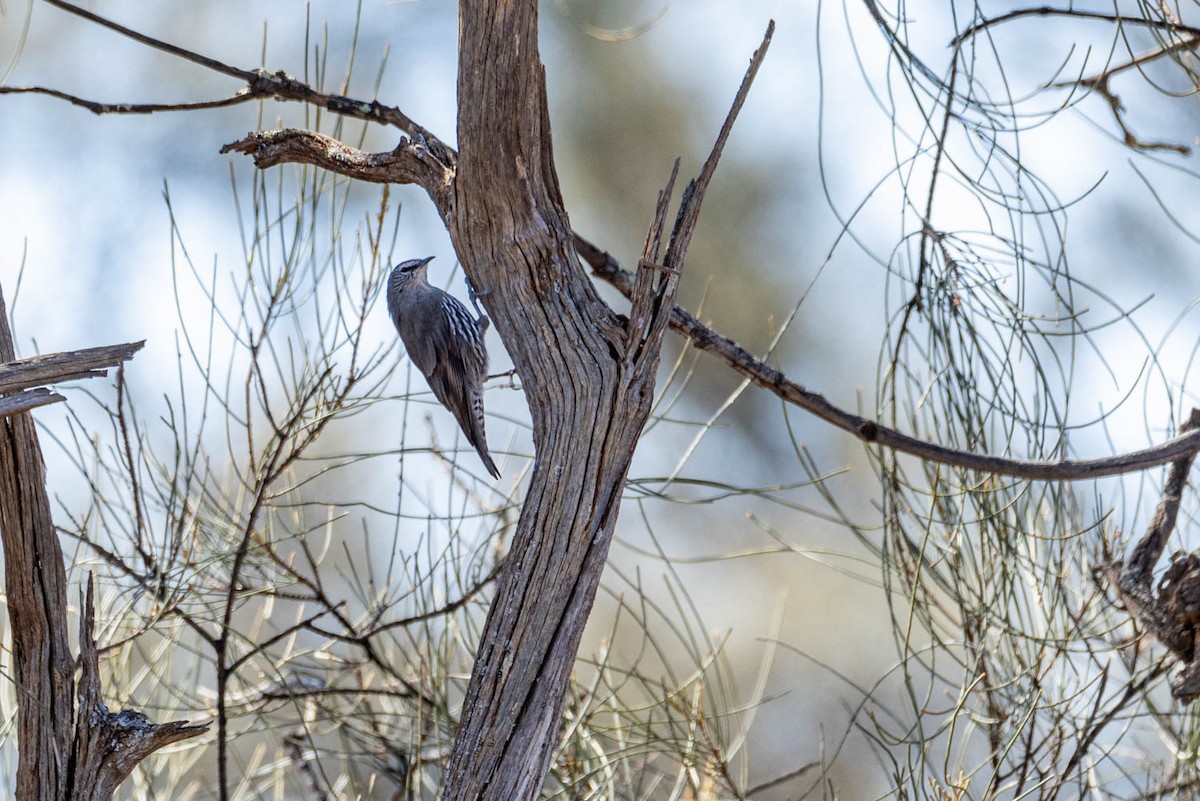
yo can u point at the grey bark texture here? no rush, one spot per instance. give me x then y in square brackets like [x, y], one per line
[589, 379]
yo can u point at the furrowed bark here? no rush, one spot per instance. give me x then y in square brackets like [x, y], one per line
[513, 236]
[36, 590]
[588, 377]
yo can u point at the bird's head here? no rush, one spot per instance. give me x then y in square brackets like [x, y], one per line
[406, 272]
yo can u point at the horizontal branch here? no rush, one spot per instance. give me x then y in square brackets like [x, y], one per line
[759, 372]
[29, 399]
[270, 148]
[52, 368]
[412, 162]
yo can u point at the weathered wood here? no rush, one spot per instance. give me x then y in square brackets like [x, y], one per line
[428, 165]
[36, 587]
[588, 378]
[64, 753]
[21, 374]
[511, 232]
[109, 745]
[29, 399]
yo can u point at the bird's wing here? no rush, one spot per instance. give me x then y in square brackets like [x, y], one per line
[460, 374]
[459, 365]
[419, 338]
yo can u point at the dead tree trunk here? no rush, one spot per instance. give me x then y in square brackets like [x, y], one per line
[588, 402]
[589, 378]
[66, 751]
[588, 372]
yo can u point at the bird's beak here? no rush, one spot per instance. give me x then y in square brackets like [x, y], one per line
[426, 261]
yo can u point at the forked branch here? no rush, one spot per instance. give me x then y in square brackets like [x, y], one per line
[1185, 38]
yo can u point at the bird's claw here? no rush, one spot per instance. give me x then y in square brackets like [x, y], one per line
[474, 298]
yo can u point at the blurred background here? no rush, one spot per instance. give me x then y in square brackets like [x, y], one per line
[810, 223]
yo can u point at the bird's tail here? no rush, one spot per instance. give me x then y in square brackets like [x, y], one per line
[481, 449]
[476, 433]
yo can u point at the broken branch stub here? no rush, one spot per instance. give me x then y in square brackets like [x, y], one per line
[1172, 611]
[109, 745]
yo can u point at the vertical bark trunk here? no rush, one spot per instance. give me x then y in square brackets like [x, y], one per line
[512, 234]
[36, 587]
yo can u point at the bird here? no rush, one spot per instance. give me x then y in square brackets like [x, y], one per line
[445, 342]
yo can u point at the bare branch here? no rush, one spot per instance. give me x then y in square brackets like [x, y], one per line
[606, 267]
[448, 608]
[29, 399]
[410, 163]
[97, 107]
[690, 210]
[52, 368]
[1100, 84]
[641, 315]
[656, 287]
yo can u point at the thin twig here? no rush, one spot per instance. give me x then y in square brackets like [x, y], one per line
[1049, 11]
[97, 107]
